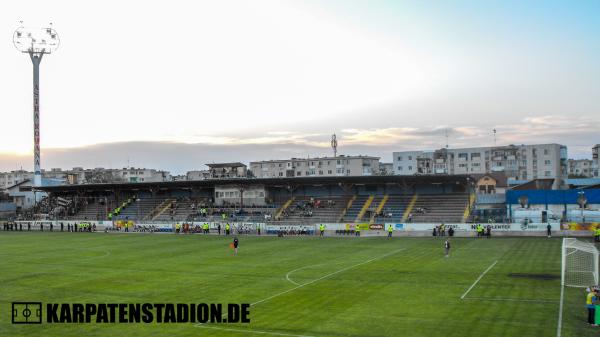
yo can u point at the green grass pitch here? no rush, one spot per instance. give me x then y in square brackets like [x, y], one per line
[303, 286]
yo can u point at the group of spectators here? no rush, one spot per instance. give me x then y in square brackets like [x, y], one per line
[206, 228]
[49, 226]
[305, 208]
[294, 230]
[440, 230]
[54, 207]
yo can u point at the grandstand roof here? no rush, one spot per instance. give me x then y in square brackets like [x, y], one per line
[536, 184]
[209, 183]
[238, 164]
[580, 182]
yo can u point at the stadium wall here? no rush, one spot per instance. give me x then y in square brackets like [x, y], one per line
[347, 229]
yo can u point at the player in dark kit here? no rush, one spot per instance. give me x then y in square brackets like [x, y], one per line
[235, 246]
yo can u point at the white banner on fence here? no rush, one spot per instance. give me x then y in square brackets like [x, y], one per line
[424, 227]
[468, 227]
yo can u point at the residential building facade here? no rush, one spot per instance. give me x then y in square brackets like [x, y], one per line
[227, 170]
[523, 162]
[595, 163]
[580, 168]
[197, 175]
[79, 175]
[8, 179]
[317, 167]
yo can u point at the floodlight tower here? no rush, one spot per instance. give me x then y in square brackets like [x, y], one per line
[36, 42]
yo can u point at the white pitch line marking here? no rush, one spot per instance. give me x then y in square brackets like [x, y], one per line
[477, 280]
[200, 325]
[510, 299]
[287, 276]
[324, 277]
[252, 331]
[560, 310]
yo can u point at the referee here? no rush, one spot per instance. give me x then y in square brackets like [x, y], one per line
[447, 247]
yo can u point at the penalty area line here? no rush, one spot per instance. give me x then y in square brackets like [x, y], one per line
[324, 277]
[251, 331]
[200, 325]
[478, 279]
[509, 299]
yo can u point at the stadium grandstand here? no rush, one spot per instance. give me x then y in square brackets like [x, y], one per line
[292, 200]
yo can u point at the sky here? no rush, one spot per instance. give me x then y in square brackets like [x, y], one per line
[177, 84]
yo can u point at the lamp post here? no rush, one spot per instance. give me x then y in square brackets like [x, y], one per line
[581, 200]
[36, 42]
[137, 201]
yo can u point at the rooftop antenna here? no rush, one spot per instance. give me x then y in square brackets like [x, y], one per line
[494, 137]
[446, 137]
[334, 145]
[36, 42]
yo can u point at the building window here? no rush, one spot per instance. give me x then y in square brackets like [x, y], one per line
[409, 157]
[410, 168]
[545, 152]
[547, 173]
[320, 172]
[329, 172]
[399, 158]
[299, 173]
[399, 168]
[547, 162]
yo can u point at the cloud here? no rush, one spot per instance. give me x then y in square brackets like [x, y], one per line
[579, 134]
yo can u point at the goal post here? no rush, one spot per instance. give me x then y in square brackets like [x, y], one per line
[579, 263]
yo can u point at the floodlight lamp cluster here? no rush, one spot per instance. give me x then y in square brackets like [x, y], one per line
[36, 40]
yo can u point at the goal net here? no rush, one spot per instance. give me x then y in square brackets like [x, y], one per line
[579, 263]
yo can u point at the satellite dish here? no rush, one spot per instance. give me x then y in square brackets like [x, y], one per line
[523, 201]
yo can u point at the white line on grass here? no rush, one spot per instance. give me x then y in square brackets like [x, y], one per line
[200, 325]
[324, 277]
[287, 276]
[252, 331]
[560, 310]
[477, 280]
[510, 299]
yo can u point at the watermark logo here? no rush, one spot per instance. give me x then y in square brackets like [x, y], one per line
[31, 313]
[26, 312]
